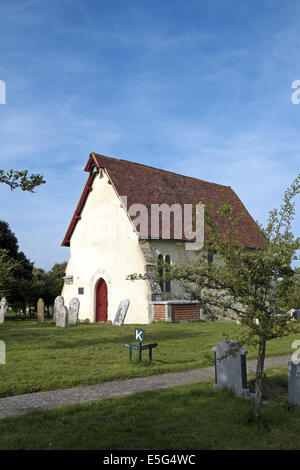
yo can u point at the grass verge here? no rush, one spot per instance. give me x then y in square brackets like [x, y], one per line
[44, 357]
[191, 417]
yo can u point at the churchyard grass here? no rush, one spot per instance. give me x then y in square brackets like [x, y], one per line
[186, 417]
[44, 357]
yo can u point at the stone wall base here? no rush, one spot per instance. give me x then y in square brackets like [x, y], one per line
[175, 310]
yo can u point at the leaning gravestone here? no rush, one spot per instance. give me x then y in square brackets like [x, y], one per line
[121, 312]
[294, 382]
[230, 368]
[58, 300]
[62, 313]
[2, 353]
[41, 311]
[73, 311]
[3, 309]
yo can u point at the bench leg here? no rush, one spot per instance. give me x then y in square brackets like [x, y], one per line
[150, 354]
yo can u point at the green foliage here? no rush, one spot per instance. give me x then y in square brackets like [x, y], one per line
[20, 179]
[9, 242]
[54, 282]
[47, 285]
[22, 283]
[7, 270]
[20, 273]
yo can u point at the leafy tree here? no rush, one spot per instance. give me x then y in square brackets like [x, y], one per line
[20, 179]
[252, 286]
[21, 266]
[54, 282]
[32, 289]
[9, 242]
[7, 268]
[294, 299]
[47, 285]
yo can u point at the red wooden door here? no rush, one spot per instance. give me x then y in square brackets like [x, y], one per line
[101, 301]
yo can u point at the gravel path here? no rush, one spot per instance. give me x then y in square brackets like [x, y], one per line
[22, 404]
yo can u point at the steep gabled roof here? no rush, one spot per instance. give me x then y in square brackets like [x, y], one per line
[147, 185]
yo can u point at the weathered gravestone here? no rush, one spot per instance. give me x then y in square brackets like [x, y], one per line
[203, 316]
[73, 311]
[121, 312]
[58, 300]
[62, 314]
[291, 312]
[2, 353]
[3, 309]
[41, 311]
[294, 382]
[231, 368]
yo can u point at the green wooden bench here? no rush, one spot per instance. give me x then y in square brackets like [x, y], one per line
[140, 348]
[140, 338]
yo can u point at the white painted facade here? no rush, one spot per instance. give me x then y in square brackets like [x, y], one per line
[105, 245]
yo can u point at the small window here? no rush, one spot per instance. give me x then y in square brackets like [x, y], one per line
[210, 257]
[80, 290]
[168, 282]
[160, 270]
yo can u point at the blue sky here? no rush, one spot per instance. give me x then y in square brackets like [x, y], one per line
[201, 88]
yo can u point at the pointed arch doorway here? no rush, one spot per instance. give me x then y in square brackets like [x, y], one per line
[101, 301]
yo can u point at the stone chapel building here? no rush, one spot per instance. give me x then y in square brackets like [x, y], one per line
[106, 243]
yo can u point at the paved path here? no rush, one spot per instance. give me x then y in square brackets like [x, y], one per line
[22, 404]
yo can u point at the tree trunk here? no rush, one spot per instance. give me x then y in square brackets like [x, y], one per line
[259, 377]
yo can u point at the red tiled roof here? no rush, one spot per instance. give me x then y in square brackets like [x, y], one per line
[146, 185]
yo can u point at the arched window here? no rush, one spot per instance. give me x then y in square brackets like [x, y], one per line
[210, 256]
[160, 270]
[168, 282]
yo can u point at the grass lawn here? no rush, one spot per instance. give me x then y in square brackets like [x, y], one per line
[191, 417]
[45, 357]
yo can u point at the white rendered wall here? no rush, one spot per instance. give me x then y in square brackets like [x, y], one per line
[105, 245]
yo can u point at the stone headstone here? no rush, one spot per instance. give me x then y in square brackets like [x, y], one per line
[291, 312]
[62, 314]
[121, 312]
[203, 316]
[3, 309]
[231, 368]
[2, 353]
[73, 311]
[294, 382]
[58, 300]
[41, 311]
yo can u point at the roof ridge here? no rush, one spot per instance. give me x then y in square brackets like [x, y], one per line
[160, 169]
